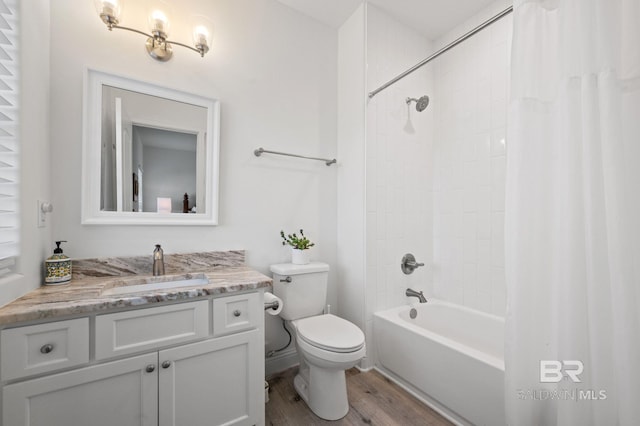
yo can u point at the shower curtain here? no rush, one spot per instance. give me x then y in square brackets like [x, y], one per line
[572, 219]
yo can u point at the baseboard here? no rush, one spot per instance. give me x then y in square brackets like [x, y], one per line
[364, 369]
[280, 362]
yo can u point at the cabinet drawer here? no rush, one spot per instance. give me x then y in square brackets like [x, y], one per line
[146, 329]
[42, 348]
[235, 313]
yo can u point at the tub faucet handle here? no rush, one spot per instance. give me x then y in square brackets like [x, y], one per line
[409, 264]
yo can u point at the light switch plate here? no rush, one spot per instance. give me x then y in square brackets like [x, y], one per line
[42, 221]
[43, 208]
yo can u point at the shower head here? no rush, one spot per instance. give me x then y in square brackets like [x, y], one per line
[421, 103]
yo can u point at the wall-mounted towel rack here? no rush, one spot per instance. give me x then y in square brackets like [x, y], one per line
[258, 152]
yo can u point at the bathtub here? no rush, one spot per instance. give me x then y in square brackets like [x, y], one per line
[449, 356]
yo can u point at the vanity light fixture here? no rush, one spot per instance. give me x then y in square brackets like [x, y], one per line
[158, 46]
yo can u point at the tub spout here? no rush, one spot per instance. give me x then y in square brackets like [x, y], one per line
[418, 294]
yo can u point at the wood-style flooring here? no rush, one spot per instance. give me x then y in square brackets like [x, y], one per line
[373, 400]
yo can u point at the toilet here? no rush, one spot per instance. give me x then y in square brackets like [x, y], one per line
[327, 345]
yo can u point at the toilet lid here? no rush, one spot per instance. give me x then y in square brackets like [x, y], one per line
[330, 333]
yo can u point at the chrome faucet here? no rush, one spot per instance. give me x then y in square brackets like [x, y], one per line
[158, 261]
[413, 293]
[409, 264]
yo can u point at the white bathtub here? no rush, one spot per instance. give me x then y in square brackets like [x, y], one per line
[450, 356]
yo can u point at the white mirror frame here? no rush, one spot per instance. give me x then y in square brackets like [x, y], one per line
[91, 164]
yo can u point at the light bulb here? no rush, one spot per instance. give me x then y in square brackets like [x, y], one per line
[202, 33]
[159, 23]
[201, 36]
[108, 8]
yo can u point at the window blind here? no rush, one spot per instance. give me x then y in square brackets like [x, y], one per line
[9, 135]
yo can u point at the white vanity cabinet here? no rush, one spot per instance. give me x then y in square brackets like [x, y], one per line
[115, 393]
[212, 382]
[157, 366]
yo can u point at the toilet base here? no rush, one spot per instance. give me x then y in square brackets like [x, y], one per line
[321, 380]
[325, 392]
[301, 387]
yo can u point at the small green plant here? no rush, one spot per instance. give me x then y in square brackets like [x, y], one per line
[300, 243]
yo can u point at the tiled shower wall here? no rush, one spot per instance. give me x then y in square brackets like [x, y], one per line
[470, 105]
[434, 179]
[398, 167]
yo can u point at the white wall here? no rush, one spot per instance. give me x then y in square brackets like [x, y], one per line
[274, 71]
[35, 242]
[470, 103]
[398, 164]
[384, 181]
[351, 167]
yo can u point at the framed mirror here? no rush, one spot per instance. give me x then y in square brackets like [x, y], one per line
[150, 154]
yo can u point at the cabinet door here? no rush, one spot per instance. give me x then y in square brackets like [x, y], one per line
[119, 393]
[215, 382]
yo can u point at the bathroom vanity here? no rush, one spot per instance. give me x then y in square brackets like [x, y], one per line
[88, 355]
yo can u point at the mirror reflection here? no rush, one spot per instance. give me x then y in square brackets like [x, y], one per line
[153, 154]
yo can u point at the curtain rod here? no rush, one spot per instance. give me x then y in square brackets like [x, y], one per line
[258, 152]
[441, 51]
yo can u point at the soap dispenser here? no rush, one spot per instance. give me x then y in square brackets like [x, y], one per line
[58, 267]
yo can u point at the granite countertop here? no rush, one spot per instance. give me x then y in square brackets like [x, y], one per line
[85, 294]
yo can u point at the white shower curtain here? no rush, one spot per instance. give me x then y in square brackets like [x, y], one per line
[573, 214]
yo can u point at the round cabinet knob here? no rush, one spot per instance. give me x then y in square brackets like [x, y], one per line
[166, 364]
[48, 348]
[236, 313]
[150, 368]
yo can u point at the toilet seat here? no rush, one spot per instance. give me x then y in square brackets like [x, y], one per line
[330, 333]
[329, 359]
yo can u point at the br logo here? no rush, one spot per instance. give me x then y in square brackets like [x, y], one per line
[552, 371]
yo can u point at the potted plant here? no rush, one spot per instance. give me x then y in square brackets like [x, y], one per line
[299, 247]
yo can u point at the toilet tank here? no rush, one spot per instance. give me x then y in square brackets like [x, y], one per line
[306, 293]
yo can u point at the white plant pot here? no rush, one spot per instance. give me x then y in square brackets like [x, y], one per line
[299, 257]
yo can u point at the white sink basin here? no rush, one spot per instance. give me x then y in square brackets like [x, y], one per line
[150, 284]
